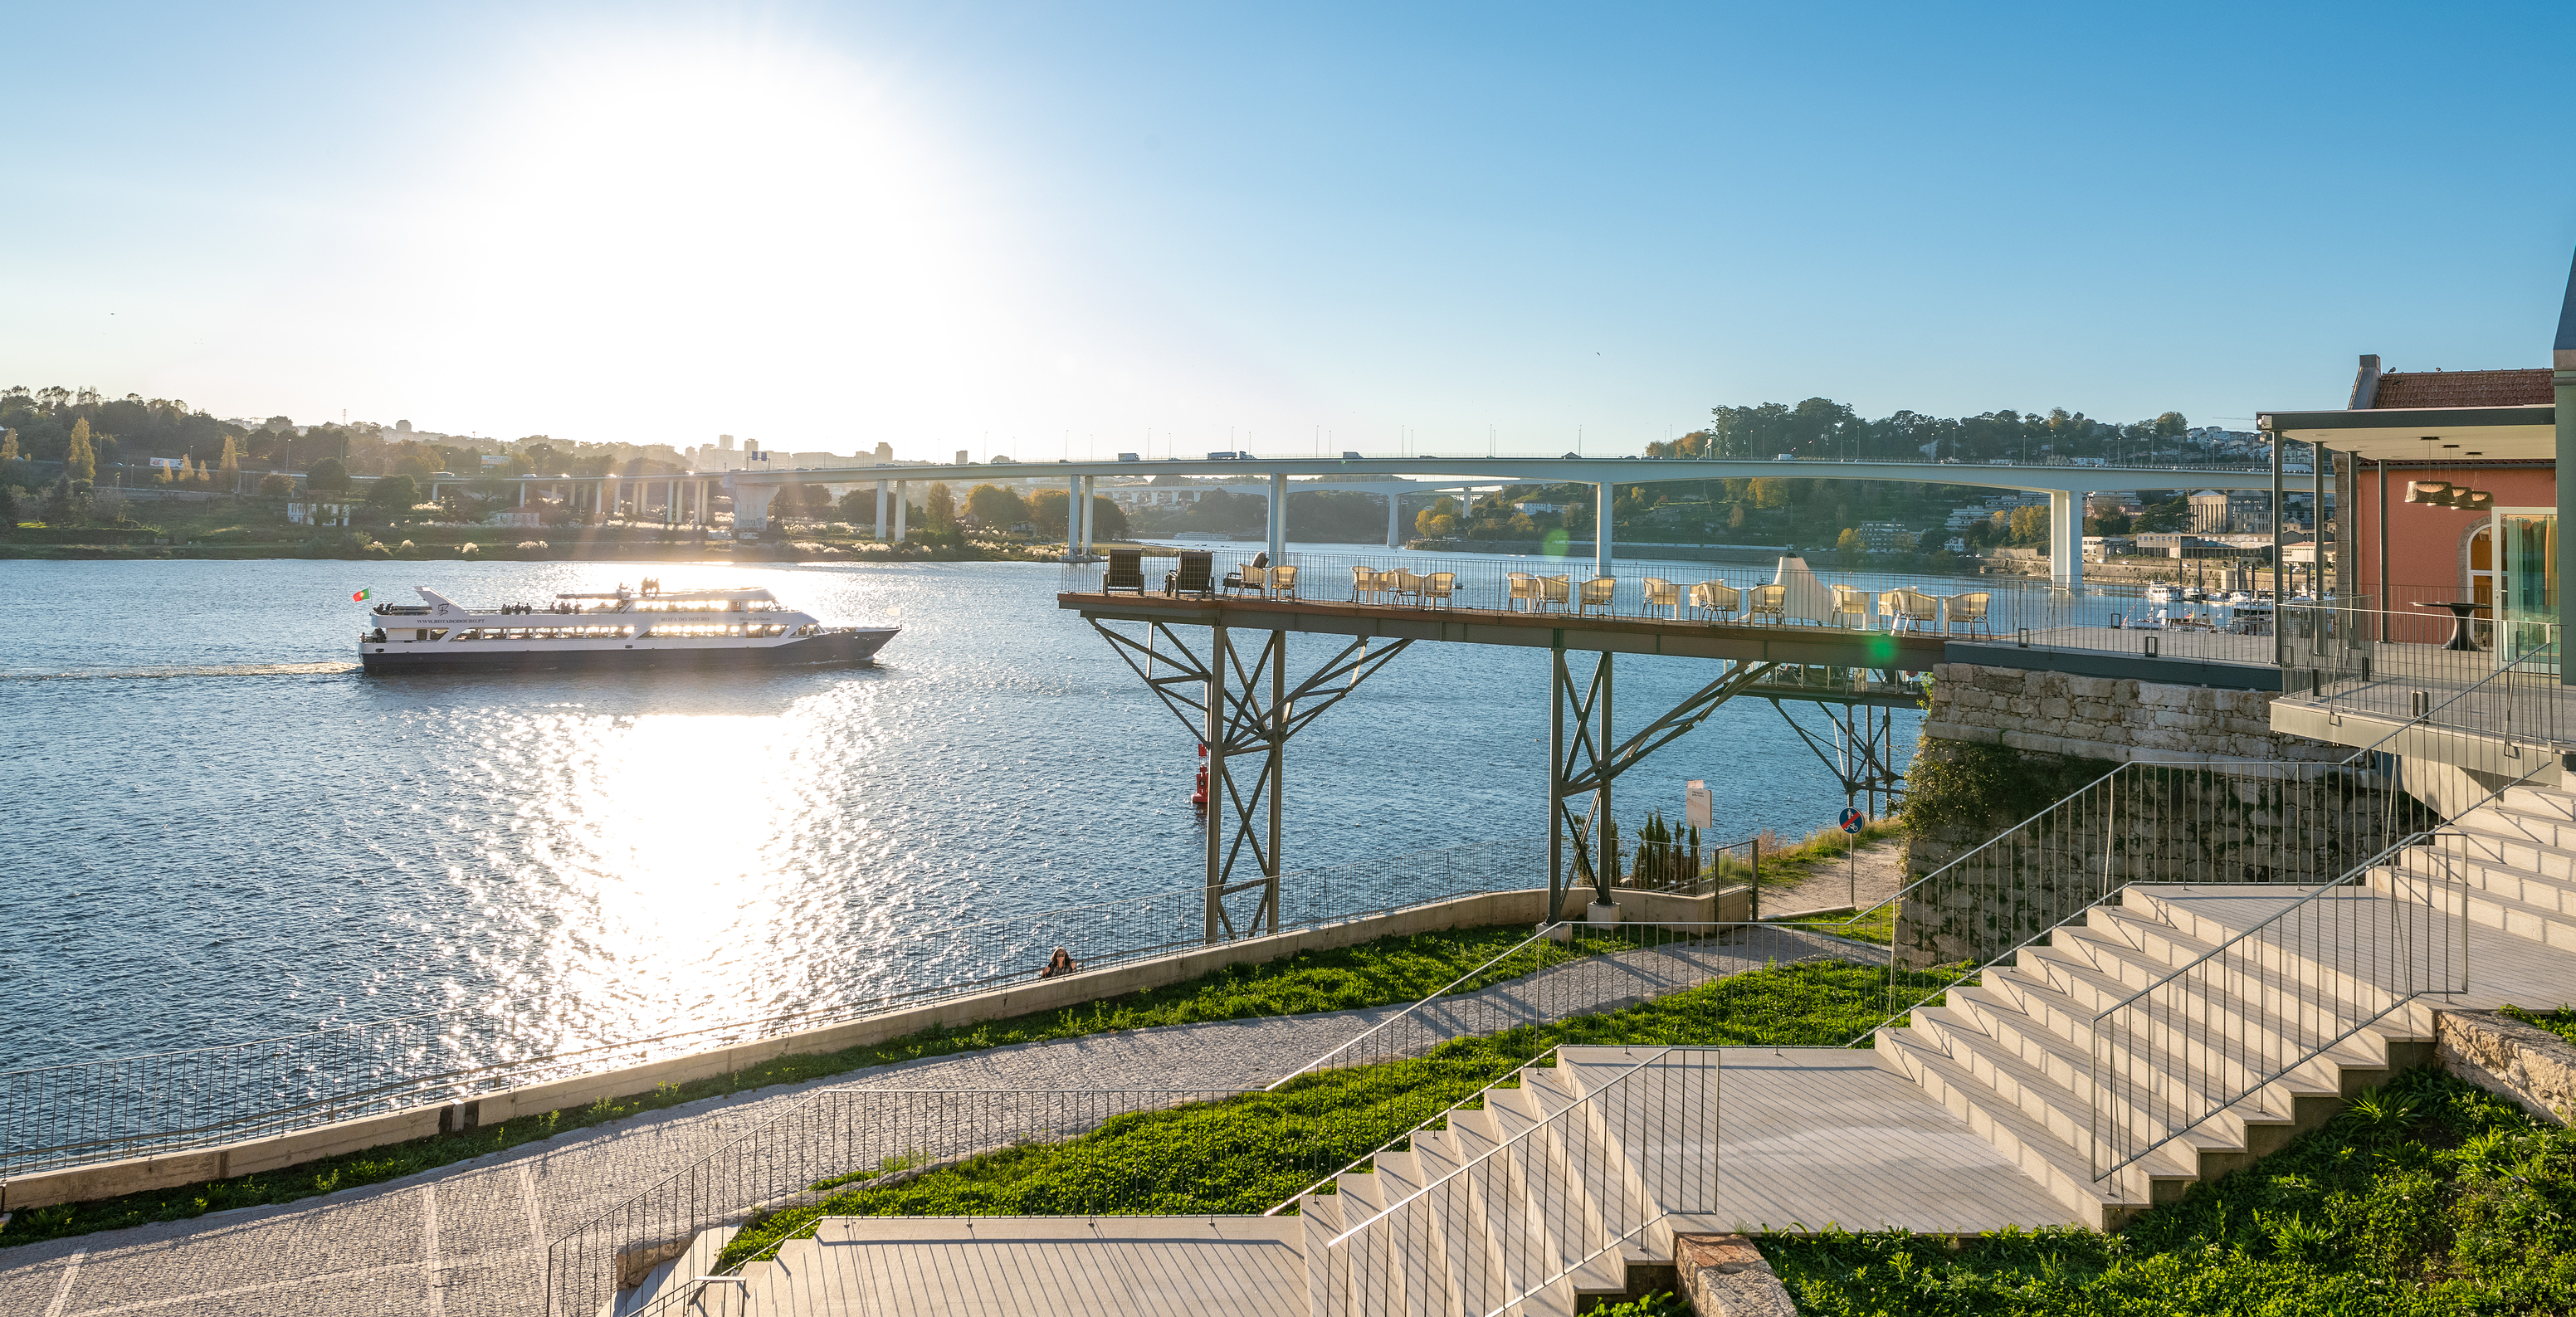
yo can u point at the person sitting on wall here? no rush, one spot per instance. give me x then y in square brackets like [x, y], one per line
[1059, 964]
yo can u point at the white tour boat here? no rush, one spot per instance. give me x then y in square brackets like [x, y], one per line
[647, 628]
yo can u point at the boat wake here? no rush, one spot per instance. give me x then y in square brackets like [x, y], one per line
[191, 670]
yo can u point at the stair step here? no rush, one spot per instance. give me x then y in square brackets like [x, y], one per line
[2064, 1171]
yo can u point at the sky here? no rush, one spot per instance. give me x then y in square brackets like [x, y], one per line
[1047, 230]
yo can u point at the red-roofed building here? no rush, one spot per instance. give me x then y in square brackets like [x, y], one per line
[2444, 485]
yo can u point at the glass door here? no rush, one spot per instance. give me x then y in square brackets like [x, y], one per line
[2526, 559]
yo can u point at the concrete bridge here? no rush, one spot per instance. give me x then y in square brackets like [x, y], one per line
[685, 496]
[2066, 485]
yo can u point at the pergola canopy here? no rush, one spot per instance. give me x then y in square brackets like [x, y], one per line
[2448, 434]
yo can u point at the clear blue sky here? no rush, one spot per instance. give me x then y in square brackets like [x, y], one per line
[990, 226]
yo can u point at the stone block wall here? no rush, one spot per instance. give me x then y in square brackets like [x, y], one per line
[2002, 746]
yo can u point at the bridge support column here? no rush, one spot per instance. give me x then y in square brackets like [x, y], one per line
[1394, 510]
[1090, 513]
[1278, 517]
[751, 506]
[881, 520]
[1601, 529]
[1584, 763]
[1244, 707]
[2066, 539]
[899, 501]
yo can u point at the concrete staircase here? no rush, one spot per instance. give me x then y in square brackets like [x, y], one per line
[1555, 1185]
[2013, 1054]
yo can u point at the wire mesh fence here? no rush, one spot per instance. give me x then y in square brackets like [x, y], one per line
[96, 1111]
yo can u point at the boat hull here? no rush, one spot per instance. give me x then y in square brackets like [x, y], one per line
[858, 645]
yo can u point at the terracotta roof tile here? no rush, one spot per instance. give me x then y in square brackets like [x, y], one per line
[2464, 388]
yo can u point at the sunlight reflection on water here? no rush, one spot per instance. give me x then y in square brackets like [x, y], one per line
[221, 832]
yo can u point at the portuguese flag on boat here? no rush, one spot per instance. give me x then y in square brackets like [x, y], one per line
[362, 596]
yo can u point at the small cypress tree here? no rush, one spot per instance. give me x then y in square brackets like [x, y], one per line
[80, 461]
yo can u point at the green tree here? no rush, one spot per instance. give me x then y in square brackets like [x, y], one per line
[859, 507]
[276, 484]
[996, 507]
[80, 461]
[327, 475]
[230, 463]
[8, 445]
[1108, 520]
[1438, 520]
[940, 507]
[394, 494]
[2029, 526]
[8, 506]
[1047, 510]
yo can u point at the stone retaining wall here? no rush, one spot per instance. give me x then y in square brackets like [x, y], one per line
[2501, 1054]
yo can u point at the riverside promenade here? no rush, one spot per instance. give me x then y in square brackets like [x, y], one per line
[470, 1240]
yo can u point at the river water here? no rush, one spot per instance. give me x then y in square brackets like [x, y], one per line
[217, 829]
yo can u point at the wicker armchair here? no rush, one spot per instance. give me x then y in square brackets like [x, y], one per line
[1597, 593]
[1557, 590]
[1771, 601]
[1850, 602]
[1965, 612]
[1439, 589]
[1283, 581]
[1364, 586]
[1405, 585]
[1716, 597]
[1661, 593]
[1916, 610]
[1519, 586]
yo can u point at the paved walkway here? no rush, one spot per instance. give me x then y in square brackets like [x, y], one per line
[470, 1239]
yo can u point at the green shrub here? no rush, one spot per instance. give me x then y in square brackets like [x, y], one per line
[2429, 1195]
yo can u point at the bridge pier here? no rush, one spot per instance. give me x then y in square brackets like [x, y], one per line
[1394, 510]
[1278, 536]
[2066, 538]
[1601, 529]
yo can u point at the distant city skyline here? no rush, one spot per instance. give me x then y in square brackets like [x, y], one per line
[1040, 231]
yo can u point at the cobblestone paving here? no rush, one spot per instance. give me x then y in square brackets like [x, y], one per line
[469, 1240]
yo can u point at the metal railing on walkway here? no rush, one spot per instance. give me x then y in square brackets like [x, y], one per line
[1536, 1198]
[2248, 1012]
[837, 1141]
[83, 1113]
[2498, 681]
[1961, 607]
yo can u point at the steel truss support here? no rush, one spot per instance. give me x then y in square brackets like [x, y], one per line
[1592, 757]
[1237, 701]
[1861, 753]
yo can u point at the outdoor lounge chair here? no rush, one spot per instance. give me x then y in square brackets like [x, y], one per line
[1520, 586]
[1439, 589]
[1965, 612]
[1850, 601]
[1771, 601]
[1557, 590]
[1367, 583]
[1197, 575]
[1126, 572]
[1910, 609]
[1716, 597]
[1246, 578]
[1283, 581]
[1596, 594]
[1661, 593]
[1404, 585]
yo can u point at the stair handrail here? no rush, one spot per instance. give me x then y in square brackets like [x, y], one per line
[2356, 760]
[1546, 932]
[1600, 1093]
[2349, 878]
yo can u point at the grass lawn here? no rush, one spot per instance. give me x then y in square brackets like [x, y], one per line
[1250, 1153]
[2427, 1196]
[1393, 969]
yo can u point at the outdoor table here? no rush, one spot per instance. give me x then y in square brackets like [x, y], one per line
[2461, 611]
